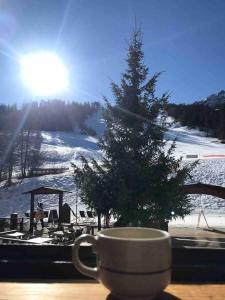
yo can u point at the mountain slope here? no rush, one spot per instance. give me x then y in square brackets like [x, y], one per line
[62, 148]
[215, 100]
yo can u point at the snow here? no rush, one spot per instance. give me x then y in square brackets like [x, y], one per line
[62, 148]
[210, 170]
[97, 123]
[12, 198]
[193, 142]
[191, 221]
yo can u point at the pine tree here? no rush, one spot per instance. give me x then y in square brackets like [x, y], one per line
[138, 180]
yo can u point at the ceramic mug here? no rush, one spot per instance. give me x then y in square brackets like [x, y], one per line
[132, 262]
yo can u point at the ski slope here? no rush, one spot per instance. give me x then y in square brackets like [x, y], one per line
[194, 142]
[64, 148]
[210, 170]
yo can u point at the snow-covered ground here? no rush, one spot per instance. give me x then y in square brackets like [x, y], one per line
[211, 170]
[194, 142]
[62, 148]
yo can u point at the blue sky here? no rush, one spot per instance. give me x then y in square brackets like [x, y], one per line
[183, 38]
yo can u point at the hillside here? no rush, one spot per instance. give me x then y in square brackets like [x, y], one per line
[62, 148]
[207, 115]
[215, 100]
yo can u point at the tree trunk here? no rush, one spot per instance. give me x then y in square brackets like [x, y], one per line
[107, 220]
[1, 172]
[10, 170]
[21, 153]
[99, 222]
[164, 225]
[26, 153]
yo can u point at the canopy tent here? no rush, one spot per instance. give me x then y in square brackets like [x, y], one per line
[45, 191]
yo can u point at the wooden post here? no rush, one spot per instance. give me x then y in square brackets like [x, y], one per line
[32, 213]
[60, 208]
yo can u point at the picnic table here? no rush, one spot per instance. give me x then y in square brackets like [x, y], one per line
[39, 240]
[87, 289]
[17, 235]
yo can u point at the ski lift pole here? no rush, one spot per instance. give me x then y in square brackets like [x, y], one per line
[202, 213]
[205, 219]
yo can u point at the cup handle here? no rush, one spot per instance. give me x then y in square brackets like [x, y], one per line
[92, 272]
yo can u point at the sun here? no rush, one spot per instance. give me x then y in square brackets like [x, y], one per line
[44, 73]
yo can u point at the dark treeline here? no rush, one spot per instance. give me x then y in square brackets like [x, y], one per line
[20, 132]
[19, 152]
[210, 119]
[56, 115]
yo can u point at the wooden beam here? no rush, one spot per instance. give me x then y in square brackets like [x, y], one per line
[207, 189]
[45, 190]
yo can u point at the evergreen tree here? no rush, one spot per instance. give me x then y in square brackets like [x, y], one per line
[138, 180]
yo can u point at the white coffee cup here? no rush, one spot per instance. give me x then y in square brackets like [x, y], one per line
[132, 262]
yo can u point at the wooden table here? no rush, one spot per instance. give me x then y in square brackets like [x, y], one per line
[15, 235]
[90, 290]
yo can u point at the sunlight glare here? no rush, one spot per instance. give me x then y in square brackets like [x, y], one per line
[44, 73]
